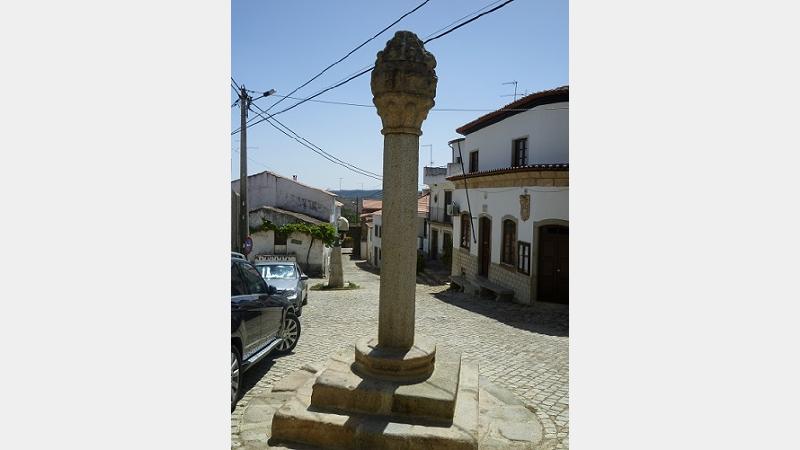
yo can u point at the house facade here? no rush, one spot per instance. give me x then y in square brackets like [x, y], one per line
[368, 208]
[374, 242]
[282, 200]
[510, 201]
[439, 241]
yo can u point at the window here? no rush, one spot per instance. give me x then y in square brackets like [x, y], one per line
[375, 230]
[509, 239]
[277, 271]
[237, 283]
[520, 152]
[425, 228]
[524, 257]
[473, 161]
[279, 238]
[255, 284]
[465, 221]
[448, 200]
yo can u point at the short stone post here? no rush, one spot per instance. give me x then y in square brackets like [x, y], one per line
[336, 279]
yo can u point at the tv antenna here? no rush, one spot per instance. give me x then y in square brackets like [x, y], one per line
[431, 146]
[515, 91]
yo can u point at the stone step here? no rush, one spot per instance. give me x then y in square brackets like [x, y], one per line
[339, 389]
[299, 422]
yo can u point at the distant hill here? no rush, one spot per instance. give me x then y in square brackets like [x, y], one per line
[358, 193]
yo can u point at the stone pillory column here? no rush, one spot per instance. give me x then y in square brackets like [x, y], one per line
[403, 86]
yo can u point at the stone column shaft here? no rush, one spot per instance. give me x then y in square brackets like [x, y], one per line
[398, 241]
[403, 88]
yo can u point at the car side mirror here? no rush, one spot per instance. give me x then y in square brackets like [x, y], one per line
[271, 290]
[304, 277]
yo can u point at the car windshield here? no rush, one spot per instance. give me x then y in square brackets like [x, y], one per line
[277, 271]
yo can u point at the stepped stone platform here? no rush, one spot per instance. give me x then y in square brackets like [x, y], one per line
[484, 416]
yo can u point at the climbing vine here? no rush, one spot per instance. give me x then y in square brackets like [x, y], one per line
[325, 232]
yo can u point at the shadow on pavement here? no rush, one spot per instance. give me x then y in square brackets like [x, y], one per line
[542, 318]
[256, 372]
[367, 267]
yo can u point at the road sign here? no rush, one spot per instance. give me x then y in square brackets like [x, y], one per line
[247, 247]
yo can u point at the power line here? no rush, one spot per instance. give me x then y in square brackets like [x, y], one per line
[307, 99]
[319, 151]
[339, 161]
[316, 151]
[468, 21]
[352, 51]
[462, 18]
[347, 80]
[364, 105]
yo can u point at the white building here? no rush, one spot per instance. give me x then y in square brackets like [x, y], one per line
[374, 241]
[440, 216]
[511, 200]
[281, 201]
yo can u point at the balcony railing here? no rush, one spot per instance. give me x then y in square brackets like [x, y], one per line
[439, 214]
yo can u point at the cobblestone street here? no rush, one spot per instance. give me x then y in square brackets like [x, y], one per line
[521, 348]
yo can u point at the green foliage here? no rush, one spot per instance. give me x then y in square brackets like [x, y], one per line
[324, 232]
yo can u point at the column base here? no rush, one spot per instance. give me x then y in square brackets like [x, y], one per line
[398, 365]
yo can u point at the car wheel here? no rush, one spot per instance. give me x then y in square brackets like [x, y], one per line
[236, 376]
[290, 334]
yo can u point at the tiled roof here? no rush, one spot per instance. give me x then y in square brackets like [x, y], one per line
[530, 168]
[559, 94]
[371, 204]
[422, 203]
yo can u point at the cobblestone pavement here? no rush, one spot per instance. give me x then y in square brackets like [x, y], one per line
[524, 349]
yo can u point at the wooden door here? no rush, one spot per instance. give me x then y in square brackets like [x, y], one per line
[484, 246]
[553, 270]
[434, 244]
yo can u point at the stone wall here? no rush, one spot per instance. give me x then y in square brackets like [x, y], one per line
[501, 274]
[509, 277]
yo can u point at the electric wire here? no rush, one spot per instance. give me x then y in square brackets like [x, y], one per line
[336, 160]
[347, 80]
[351, 52]
[467, 22]
[316, 151]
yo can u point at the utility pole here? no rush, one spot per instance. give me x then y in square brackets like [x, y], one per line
[244, 225]
[244, 215]
[340, 184]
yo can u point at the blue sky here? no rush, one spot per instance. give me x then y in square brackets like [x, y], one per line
[280, 45]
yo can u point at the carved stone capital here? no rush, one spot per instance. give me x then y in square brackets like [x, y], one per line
[404, 84]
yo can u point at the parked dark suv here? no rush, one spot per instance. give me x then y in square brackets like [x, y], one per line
[261, 321]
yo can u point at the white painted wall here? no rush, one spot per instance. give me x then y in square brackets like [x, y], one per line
[437, 188]
[546, 203]
[267, 189]
[377, 221]
[545, 126]
[318, 258]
